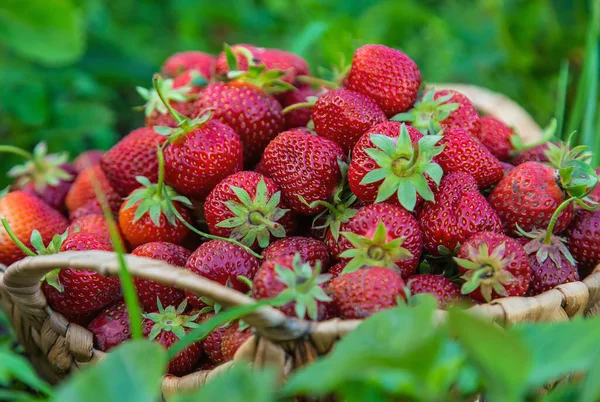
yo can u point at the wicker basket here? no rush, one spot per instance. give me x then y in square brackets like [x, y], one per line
[56, 346]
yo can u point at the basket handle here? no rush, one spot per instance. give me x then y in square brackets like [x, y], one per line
[22, 282]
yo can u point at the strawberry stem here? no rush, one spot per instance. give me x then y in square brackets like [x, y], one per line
[307, 79]
[298, 106]
[16, 151]
[14, 238]
[181, 120]
[554, 218]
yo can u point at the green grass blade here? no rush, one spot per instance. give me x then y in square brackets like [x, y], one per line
[591, 67]
[561, 99]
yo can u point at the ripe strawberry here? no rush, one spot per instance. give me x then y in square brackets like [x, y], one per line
[179, 95]
[277, 59]
[305, 167]
[380, 235]
[364, 292]
[301, 116]
[95, 224]
[443, 110]
[212, 343]
[83, 320]
[192, 79]
[343, 116]
[458, 212]
[93, 207]
[25, 213]
[445, 291]
[149, 291]
[76, 291]
[464, 153]
[223, 262]
[87, 159]
[393, 162]
[83, 191]
[583, 239]
[133, 156]
[246, 206]
[493, 265]
[288, 275]
[535, 154]
[311, 250]
[496, 136]
[233, 338]
[386, 75]
[166, 327]
[111, 327]
[190, 60]
[335, 271]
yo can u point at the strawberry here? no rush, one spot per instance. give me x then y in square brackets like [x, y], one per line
[76, 291]
[246, 206]
[342, 116]
[178, 95]
[223, 262]
[386, 75]
[111, 327]
[212, 343]
[277, 59]
[335, 271]
[83, 191]
[192, 79]
[93, 207]
[297, 116]
[25, 213]
[583, 239]
[95, 224]
[493, 265]
[190, 60]
[305, 167]
[87, 159]
[458, 212]
[595, 194]
[464, 153]
[289, 278]
[234, 337]
[149, 291]
[443, 289]
[168, 325]
[496, 136]
[83, 320]
[443, 110]
[535, 154]
[133, 156]
[380, 235]
[507, 167]
[311, 250]
[366, 291]
[393, 163]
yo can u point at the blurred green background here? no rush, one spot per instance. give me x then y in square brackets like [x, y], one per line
[68, 68]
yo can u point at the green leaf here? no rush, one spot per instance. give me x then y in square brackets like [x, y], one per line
[131, 372]
[16, 367]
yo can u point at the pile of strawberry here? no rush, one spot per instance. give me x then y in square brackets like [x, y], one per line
[346, 197]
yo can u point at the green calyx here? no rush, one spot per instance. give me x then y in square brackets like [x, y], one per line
[486, 270]
[403, 167]
[171, 320]
[52, 278]
[303, 286]
[154, 102]
[255, 219]
[375, 251]
[544, 245]
[577, 178]
[41, 169]
[427, 114]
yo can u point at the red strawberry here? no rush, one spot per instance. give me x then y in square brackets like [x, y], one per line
[277, 59]
[496, 136]
[192, 79]
[335, 271]
[212, 343]
[445, 291]
[343, 116]
[535, 154]
[233, 338]
[133, 156]
[222, 262]
[87, 159]
[166, 327]
[364, 292]
[242, 52]
[82, 320]
[95, 224]
[595, 194]
[380, 235]
[93, 207]
[149, 291]
[303, 284]
[387, 75]
[179, 95]
[464, 153]
[458, 212]
[311, 250]
[583, 239]
[111, 327]
[493, 265]
[83, 191]
[25, 213]
[393, 162]
[301, 116]
[76, 291]
[246, 206]
[443, 110]
[190, 60]
[305, 167]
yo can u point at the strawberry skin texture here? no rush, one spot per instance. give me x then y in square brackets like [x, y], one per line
[311, 250]
[386, 75]
[232, 340]
[145, 231]
[583, 239]
[465, 153]
[26, 213]
[84, 291]
[87, 159]
[398, 223]
[82, 189]
[111, 327]
[343, 116]
[252, 113]
[299, 117]
[192, 60]
[303, 165]
[335, 271]
[535, 154]
[93, 207]
[213, 341]
[200, 160]
[221, 261]
[95, 224]
[361, 163]
[149, 291]
[134, 155]
[366, 291]
[465, 117]
[458, 212]
[54, 195]
[528, 196]
[443, 289]
[495, 135]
